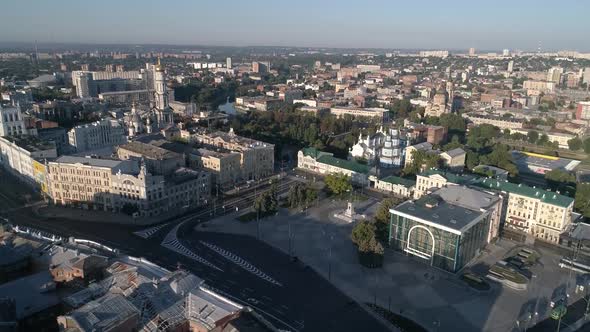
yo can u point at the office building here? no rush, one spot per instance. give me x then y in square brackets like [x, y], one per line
[25, 156]
[433, 179]
[228, 63]
[538, 213]
[97, 135]
[225, 167]
[445, 235]
[324, 163]
[158, 160]
[256, 157]
[471, 51]
[399, 187]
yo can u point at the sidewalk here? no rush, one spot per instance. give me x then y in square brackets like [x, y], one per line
[96, 216]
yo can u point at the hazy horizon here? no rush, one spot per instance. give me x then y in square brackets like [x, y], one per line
[429, 24]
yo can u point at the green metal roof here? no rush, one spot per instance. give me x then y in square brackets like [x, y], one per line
[342, 163]
[315, 153]
[544, 196]
[397, 180]
[451, 177]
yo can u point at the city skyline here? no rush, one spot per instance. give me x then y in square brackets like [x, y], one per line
[373, 24]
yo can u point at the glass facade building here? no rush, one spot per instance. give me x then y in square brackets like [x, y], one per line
[444, 235]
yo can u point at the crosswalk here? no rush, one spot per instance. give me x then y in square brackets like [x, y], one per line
[241, 262]
[148, 232]
[171, 242]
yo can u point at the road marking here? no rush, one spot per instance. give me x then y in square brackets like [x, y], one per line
[171, 242]
[241, 263]
[148, 232]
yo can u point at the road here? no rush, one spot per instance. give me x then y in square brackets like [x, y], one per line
[300, 300]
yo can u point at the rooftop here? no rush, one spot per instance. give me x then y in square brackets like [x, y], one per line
[33, 293]
[314, 153]
[30, 143]
[436, 212]
[342, 163]
[113, 164]
[397, 180]
[544, 196]
[548, 162]
[467, 197]
[150, 151]
[104, 313]
[455, 152]
[451, 177]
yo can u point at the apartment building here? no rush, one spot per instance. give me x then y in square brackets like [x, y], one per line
[541, 214]
[381, 114]
[256, 157]
[534, 87]
[500, 122]
[560, 138]
[97, 135]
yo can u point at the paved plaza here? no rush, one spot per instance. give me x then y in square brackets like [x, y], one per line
[435, 299]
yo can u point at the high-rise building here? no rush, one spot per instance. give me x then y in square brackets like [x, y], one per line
[228, 63]
[510, 66]
[120, 68]
[506, 52]
[472, 51]
[109, 68]
[586, 76]
[554, 74]
[85, 87]
[583, 110]
[260, 67]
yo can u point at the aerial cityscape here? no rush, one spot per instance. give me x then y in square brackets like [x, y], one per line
[327, 166]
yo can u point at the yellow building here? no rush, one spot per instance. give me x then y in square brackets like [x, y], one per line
[543, 214]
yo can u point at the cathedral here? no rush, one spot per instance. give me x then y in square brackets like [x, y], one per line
[159, 115]
[383, 148]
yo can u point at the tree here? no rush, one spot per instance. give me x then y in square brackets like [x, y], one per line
[382, 217]
[559, 180]
[582, 203]
[370, 250]
[587, 145]
[301, 194]
[532, 137]
[453, 144]
[575, 144]
[338, 183]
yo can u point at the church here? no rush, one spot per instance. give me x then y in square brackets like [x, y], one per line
[159, 115]
[383, 148]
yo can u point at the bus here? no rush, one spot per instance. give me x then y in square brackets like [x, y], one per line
[566, 263]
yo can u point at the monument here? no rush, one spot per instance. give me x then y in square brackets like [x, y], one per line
[348, 215]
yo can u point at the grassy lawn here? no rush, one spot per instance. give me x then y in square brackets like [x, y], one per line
[509, 274]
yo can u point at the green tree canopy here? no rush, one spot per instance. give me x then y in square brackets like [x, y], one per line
[338, 183]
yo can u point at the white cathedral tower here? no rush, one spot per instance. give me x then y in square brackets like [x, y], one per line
[164, 115]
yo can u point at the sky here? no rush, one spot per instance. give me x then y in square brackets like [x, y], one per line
[394, 24]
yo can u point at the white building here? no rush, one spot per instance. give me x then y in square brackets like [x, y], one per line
[384, 147]
[20, 155]
[97, 135]
[12, 122]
